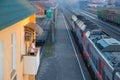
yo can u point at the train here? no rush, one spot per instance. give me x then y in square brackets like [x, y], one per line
[110, 14]
[41, 40]
[100, 51]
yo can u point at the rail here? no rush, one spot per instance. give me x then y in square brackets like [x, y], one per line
[75, 51]
[107, 27]
[75, 47]
[110, 29]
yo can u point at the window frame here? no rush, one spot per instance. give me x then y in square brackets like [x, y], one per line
[13, 54]
[2, 60]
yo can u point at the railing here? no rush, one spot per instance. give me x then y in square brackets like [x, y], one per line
[31, 63]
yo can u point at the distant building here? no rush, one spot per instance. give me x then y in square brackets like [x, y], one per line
[99, 1]
[17, 30]
[41, 10]
[43, 6]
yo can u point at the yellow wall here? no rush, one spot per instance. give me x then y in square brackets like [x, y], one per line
[5, 35]
[32, 18]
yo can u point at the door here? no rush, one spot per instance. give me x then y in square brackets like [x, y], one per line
[1, 60]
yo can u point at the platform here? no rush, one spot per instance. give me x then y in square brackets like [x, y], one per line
[62, 65]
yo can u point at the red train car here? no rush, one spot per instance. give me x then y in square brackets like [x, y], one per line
[101, 52]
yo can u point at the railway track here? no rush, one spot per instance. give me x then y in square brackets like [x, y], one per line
[40, 22]
[84, 71]
[113, 31]
[110, 29]
[44, 23]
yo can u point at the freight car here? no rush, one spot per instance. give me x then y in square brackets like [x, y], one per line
[100, 51]
[109, 14]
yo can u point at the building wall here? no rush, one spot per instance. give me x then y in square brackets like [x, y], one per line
[5, 36]
[1, 60]
[32, 18]
[41, 10]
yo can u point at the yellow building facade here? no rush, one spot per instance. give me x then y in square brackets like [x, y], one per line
[13, 45]
[16, 35]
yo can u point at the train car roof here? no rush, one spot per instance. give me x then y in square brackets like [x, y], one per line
[88, 25]
[80, 17]
[110, 9]
[109, 45]
[86, 28]
[88, 22]
[104, 42]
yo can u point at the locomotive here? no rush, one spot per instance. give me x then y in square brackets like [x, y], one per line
[99, 50]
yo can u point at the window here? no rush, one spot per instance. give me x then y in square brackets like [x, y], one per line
[88, 48]
[106, 78]
[22, 43]
[99, 66]
[13, 52]
[15, 78]
[99, 46]
[103, 75]
[1, 60]
[96, 63]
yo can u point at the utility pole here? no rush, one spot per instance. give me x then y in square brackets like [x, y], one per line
[54, 15]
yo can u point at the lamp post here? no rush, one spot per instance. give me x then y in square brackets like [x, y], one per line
[54, 15]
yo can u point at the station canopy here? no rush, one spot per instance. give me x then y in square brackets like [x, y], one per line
[14, 11]
[35, 27]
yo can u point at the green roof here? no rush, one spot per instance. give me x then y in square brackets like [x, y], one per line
[13, 11]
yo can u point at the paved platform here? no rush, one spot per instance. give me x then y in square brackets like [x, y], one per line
[62, 65]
